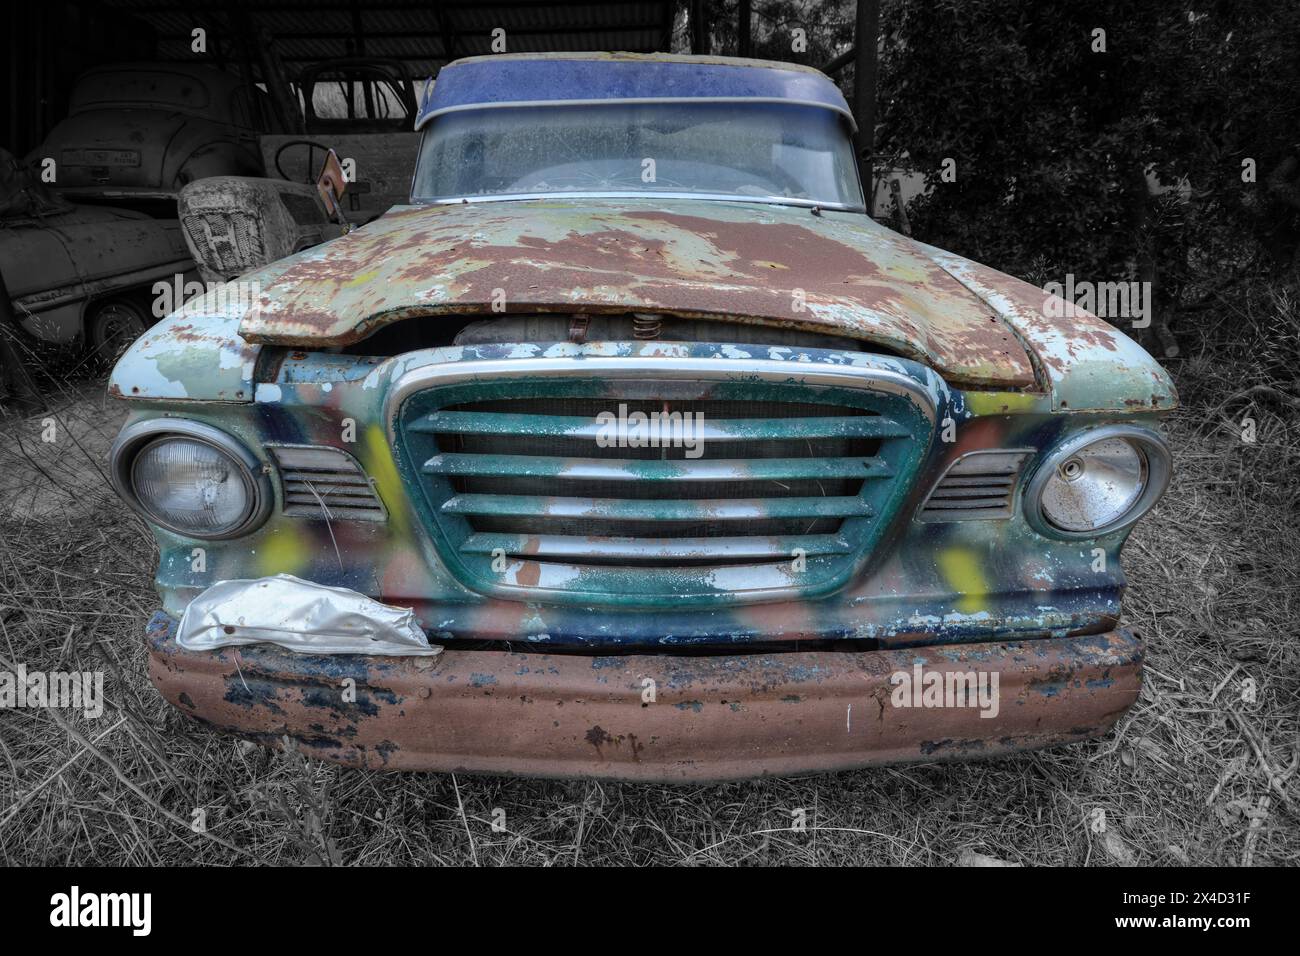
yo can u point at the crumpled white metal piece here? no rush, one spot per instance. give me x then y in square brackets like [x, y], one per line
[299, 615]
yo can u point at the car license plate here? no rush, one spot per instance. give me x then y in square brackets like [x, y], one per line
[101, 157]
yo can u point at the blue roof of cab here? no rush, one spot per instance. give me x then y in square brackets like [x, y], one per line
[527, 79]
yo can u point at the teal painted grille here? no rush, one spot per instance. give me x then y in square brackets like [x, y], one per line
[792, 490]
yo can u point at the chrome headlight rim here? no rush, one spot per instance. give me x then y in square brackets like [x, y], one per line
[1156, 462]
[135, 438]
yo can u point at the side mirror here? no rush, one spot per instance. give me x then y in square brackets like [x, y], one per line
[331, 185]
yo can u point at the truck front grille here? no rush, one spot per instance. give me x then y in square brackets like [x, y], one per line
[786, 490]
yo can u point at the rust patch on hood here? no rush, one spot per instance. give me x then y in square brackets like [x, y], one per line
[835, 273]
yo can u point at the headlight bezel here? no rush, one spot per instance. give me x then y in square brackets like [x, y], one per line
[1156, 462]
[135, 438]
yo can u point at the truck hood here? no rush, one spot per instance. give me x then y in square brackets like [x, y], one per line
[834, 273]
[837, 274]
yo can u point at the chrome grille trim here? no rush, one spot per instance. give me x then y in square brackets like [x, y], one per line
[559, 426]
[322, 482]
[979, 485]
[667, 368]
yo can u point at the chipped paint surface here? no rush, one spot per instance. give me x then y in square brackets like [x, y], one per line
[917, 587]
[194, 354]
[1088, 363]
[714, 718]
[976, 327]
[900, 595]
[832, 273]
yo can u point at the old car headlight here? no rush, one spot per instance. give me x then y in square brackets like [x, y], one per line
[1098, 481]
[190, 478]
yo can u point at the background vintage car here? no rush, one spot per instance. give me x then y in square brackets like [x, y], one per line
[81, 274]
[80, 268]
[364, 109]
[144, 130]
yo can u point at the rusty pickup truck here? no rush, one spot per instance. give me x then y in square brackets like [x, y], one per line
[632, 447]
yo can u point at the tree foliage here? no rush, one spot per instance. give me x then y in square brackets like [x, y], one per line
[1054, 128]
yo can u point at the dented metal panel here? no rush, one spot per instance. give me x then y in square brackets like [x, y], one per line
[1086, 363]
[834, 273]
[711, 718]
[194, 354]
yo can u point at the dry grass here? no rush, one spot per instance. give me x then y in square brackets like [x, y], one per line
[1195, 773]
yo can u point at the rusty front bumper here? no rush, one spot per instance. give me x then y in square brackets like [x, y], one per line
[649, 717]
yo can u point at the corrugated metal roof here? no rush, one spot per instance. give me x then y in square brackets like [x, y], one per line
[424, 35]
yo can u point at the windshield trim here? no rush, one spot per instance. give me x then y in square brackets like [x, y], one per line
[638, 101]
[630, 194]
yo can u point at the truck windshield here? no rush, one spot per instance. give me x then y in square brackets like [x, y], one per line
[770, 152]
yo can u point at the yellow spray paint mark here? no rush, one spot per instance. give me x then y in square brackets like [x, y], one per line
[962, 570]
[361, 278]
[377, 458]
[905, 271]
[282, 553]
[1004, 403]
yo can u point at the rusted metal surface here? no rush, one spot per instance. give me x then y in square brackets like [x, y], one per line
[1084, 362]
[710, 718]
[192, 355]
[838, 274]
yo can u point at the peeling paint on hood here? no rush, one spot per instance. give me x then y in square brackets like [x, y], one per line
[833, 273]
[1087, 363]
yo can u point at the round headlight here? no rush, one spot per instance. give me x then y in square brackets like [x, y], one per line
[190, 478]
[1098, 481]
[190, 485]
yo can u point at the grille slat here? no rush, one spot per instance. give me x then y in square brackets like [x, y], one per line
[328, 494]
[955, 482]
[589, 547]
[619, 509]
[339, 478]
[996, 501]
[756, 469]
[231, 238]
